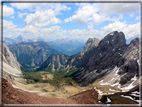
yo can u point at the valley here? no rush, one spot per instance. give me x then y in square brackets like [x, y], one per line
[104, 70]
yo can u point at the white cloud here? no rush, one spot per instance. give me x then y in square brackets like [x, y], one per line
[97, 18]
[8, 26]
[12, 17]
[42, 18]
[129, 30]
[137, 18]
[29, 6]
[83, 14]
[22, 14]
[131, 15]
[91, 12]
[52, 33]
[7, 11]
[85, 33]
[27, 30]
[119, 8]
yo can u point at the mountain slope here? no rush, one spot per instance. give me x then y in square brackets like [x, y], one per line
[9, 58]
[32, 53]
[111, 55]
[11, 67]
[13, 95]
[54, 62]
[90, 44]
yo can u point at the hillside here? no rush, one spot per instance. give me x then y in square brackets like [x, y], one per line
[18, 96]
[10, 67]
[111, 55]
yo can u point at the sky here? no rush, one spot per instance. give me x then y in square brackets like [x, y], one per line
[78, 21]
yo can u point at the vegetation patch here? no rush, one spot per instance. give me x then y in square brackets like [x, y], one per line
[57, 79]
[71, 71]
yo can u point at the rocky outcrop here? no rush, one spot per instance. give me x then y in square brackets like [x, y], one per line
[131, 66]
[111, 51]
[90, 45]
[9, 58]
[11, 67]
[54, 62]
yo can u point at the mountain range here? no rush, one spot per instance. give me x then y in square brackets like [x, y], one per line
[109, 55]
[32, 54]
[110, 61]
[67, 46]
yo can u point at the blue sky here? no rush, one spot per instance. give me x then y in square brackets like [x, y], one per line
[70, 20]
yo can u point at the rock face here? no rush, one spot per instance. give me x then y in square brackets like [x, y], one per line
[90, 45]
[11, 67]
[111, 52]
[9, 58]
[54, 62]
[131, 66]
[63, 61]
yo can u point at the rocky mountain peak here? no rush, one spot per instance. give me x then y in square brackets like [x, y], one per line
[114, 39]
[111, 52]
[135, 42]
[90, 45]
[19, 39]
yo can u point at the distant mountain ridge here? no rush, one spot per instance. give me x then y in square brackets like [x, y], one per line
[67, 46]
[19, 39]
[32, 54]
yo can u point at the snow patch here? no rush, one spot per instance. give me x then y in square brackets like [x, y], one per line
[135, 95]
[111, 89]
[120, 54]
[108, 100]
[110, 93]
[111, 33]
[139, 101]
[136, 92]
[99, 101]
[130, 86]
[127, 97]
[138, 61]
[111, 81]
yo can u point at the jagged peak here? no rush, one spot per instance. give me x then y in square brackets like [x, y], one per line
[114, 38]
[134, 41]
